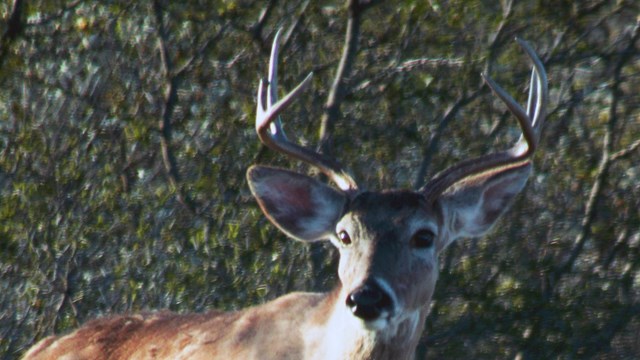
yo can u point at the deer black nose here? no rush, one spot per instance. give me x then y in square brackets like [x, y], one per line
[369, 301]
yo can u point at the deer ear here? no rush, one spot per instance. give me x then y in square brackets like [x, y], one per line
[302, 207]
[471, 206]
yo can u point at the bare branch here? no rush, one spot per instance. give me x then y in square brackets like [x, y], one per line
[434, 141]
[14, 27]
[623, 154]
[606, 159]
[410, 65]
[178, 73]
[46, 19]
[337, 91]
[168, 106]
[256, 29]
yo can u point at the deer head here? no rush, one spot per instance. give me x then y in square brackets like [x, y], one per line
[389, 241]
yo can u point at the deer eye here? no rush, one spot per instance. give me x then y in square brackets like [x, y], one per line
[423, 239]
[344, 238]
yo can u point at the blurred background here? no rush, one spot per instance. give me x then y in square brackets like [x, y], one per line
[126, 128]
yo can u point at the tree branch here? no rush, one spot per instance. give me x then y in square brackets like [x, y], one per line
[624, 153]
[170, 98]
[256, 28]
[179, 72]
[337, 91]
[434, 141]
[14, 27]
[605, 161]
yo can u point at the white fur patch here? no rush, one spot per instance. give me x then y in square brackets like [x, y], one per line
[339, 336]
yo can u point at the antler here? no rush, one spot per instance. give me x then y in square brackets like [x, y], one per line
[270, 132]
[530, 122]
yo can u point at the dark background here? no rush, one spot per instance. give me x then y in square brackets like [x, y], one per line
[126, 128]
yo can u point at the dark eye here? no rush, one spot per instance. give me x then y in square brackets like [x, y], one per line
[344, 237]
[423, 239]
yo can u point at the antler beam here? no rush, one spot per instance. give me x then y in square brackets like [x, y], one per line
[530, 121]
[270, 132]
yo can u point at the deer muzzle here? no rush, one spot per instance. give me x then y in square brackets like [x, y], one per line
[369, 301]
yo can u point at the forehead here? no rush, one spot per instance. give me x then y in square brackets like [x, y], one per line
[394, 206]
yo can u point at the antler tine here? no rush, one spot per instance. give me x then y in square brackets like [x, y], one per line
[538, 90]
[530, 122]
[270, 132]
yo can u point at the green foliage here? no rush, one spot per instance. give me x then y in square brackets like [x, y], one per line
[92, 221]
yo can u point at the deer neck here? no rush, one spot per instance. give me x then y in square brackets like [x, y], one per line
[335, 333]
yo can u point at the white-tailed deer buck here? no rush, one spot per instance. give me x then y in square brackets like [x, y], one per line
[388, 241]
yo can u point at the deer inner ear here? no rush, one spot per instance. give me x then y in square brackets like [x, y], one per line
[300, 206]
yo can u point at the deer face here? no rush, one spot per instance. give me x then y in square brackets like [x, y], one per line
[388, 241]
[388, 254]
